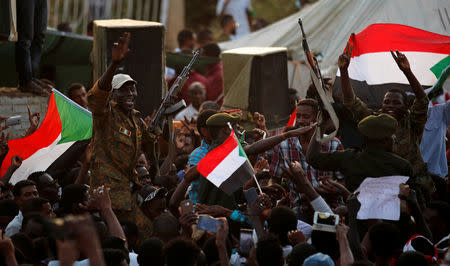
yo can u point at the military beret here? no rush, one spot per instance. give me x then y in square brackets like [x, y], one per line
[222, 119]
[378, 126]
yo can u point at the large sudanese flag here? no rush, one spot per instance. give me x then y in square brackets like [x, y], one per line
[226, 166]
[65, 124]
[372, 69]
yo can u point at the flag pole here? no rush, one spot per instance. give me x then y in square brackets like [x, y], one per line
[254, 176]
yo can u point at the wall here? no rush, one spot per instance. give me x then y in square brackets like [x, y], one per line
[15, 103]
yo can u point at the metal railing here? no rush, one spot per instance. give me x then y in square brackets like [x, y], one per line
[78, 13]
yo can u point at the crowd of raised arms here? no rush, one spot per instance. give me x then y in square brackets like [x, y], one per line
[293, 200]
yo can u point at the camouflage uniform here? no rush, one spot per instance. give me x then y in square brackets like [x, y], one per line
[407, 136]
[118, 141]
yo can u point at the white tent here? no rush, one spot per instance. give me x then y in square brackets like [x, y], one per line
[329, 23]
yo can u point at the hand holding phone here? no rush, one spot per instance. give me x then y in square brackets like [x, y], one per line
[186, 206]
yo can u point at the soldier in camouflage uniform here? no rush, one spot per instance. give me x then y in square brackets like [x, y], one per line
[119, 136]
[411, 122]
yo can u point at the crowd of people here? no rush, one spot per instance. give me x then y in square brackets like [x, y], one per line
[122, 203]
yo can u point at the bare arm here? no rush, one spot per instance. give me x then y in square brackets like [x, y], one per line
[83, 177]
[102, 202]
[268, 143]
[346, 255]
[404, 66]
[343, 63]
[221, 240]
[16, 162]
[180, 191]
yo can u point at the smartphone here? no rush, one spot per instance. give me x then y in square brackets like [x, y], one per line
[245, 242]
[13, 120]
[251, 195]
[187, 206]
[207, 223]
[324, 221]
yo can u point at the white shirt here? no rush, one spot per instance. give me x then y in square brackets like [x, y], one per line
[238, 9]
[190, 112]
[15, 225]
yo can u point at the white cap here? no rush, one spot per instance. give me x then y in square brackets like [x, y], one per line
[120, 79]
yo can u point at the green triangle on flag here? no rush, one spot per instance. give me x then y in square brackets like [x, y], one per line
[440, 66]
[76, 122]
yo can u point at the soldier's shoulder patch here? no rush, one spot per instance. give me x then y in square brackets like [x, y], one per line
[125, 131]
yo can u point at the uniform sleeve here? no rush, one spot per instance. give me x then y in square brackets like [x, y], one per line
[418, 116]
[98, 100]
[330, 161]
[358, 108]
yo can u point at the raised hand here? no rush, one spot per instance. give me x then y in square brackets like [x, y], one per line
[120, 49]
[344, 58]
[186, 221]
[296, 174]
[4, 144]
[191, 125]
[301, 131]
[260, 121]
[16, 161]
[341, 231]
[191, 174]
[401, 60]
[260, 165]
[295, 237]
[34, 118]
[222, 233]
[100, 198]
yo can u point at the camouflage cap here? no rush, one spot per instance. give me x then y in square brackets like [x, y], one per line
[378, 126]
[222, 119]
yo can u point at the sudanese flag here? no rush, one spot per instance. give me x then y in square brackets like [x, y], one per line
[65, 125]
[372, 69]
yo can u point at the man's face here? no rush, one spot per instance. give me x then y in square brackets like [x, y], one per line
[47, 212]
[125, 96]
[197, 96]
[190, 44]
[394, 105]
[154, 208]
[48, 188]
[28, 192]
[79, 96]
[305, 116]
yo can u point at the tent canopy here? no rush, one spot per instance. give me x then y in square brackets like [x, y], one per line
[329, 23]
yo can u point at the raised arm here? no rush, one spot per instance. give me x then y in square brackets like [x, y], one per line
[119, 53]
[16, 162]
[268, 143]
[343, 63]
[403, 64]
[98, 96]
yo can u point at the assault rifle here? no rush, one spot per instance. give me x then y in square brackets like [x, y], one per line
[157, 124]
